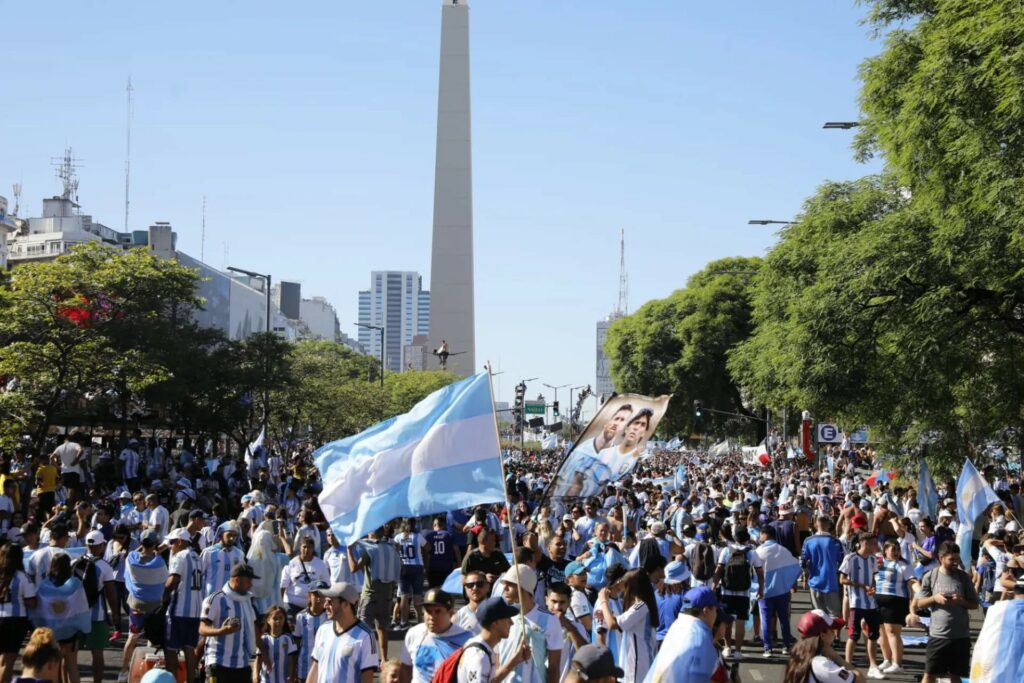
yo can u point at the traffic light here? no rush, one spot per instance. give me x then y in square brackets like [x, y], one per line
[520, 394]
[554, 407]
[698, 409]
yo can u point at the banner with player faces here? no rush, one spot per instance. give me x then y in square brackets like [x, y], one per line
[610, 447]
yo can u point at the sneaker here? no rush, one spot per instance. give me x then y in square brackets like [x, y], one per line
[893, 669]
[785, 652]
[122, 677]
[767, 654]
[884, 665]
[726, 652]
[736, 654]
[873, 672]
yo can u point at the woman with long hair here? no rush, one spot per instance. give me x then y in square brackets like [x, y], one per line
[41, 659]
[17, 596]
[637, 624]
[267, 560]
[894, 584]
[812, 659]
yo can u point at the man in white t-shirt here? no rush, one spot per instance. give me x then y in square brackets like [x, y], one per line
[70, 454]
[540, 629]
[478, 663]
[157, 519]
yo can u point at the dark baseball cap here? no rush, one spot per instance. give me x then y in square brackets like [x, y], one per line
[436, 596]
[197, 514]
[244, 570]
[494, 609]
[595, 661]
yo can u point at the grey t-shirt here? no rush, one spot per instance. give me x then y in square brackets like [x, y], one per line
[948, 621]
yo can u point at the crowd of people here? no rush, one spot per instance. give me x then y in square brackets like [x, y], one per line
[228, 567]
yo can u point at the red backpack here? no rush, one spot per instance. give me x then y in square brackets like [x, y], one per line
[448, 672]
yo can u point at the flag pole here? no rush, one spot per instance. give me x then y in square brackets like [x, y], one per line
[508, 505]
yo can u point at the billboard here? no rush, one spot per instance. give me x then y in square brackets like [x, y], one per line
[610, 446]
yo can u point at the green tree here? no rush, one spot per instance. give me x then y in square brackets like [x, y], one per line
[679, 345]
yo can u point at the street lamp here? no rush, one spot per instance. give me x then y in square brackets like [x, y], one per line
[381, 328]
[763, 221]
[840, 125]
[266, 370]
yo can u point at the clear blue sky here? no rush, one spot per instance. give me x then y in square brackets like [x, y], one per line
[310, 129]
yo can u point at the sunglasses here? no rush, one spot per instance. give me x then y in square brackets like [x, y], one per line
[476, 584]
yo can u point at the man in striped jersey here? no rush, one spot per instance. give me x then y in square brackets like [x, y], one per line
[307, 622]
[380, 562]
[857, 573]
[345, 650]
[183, 596]
[228, 622]
[130, 465]
[219, 559]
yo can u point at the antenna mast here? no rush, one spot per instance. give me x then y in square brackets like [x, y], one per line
[623, 306]
[17, 197]
[127, 153]
[66, 167]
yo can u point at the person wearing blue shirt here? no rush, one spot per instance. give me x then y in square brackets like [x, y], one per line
[669, 596]
[820, 558]
[688, 652]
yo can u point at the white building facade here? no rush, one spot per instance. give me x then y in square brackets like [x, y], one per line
[397, 302]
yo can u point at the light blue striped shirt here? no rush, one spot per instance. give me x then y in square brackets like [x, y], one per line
[19, 589]
[188, 595]
[130, 463]
[104, 573]
[216, 563]
[278, 650]
[860, 570]
[233, 649]
[306, 626]
[384, 562]
[892, 579]
[341, 658]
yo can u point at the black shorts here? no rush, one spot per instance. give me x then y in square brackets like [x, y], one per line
[71, 480]
[948, 657]
[737, 605]
[894, 609]
[223, 674]
[12, 633]
[871, 618]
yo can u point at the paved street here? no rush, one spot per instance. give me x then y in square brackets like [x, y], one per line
[753, 668]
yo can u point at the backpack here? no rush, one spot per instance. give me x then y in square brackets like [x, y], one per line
[85, 569]
[703, 562]
[737, 571]
[448, 672]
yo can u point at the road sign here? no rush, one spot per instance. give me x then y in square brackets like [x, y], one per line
[859, 435]
[829, 433]
[535, 408]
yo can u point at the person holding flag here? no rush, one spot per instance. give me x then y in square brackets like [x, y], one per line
[145, 577]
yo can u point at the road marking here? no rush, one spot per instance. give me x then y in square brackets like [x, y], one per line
[756, 675]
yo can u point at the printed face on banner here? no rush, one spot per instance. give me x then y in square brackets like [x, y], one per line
[610, 446]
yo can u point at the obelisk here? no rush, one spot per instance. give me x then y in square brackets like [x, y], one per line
[451, 262]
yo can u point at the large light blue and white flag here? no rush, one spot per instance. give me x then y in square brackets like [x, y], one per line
[64, 608]
[550, 442]
[999, 650]
[442, 455]
[674, 443]
[927, 494]
[781, 569]
[680, 477]
[973, 495]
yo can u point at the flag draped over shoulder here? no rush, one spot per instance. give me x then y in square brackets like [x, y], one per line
[999, 650]
[927, 494]
[64, 609]
[441, 455]
[144, 578]
[973, 495]
[781, 569]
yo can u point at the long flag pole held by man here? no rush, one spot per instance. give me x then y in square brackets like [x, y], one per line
[442, 455]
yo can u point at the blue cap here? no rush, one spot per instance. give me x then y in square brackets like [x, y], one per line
[494, 609]
[574, 568]
[700, 597]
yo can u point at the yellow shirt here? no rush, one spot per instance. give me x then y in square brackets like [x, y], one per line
[47, 475]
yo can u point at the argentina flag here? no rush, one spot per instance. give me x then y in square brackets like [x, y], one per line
[999, 651]
[442, 455]
[973, 496]
[64, 608]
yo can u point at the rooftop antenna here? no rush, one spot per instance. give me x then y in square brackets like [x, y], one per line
[66, 167]
[127, 152]
[623, 306]
[17, 197]
[202, 237]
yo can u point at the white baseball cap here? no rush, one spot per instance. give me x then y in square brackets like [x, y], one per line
[95, 538]
[944, 514]
[179, 534]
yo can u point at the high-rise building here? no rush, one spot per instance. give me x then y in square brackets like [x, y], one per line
[451, 262]
[604, 386]
[397, 302]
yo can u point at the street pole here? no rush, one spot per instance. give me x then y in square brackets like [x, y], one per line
[267, 280]
[383, 336]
